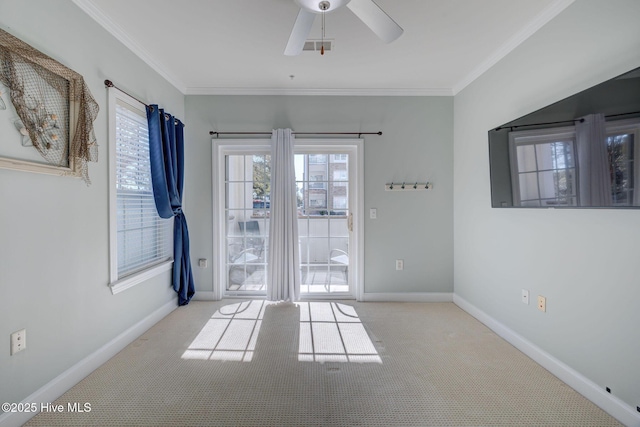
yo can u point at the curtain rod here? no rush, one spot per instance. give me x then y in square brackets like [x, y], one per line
[563, 121]
[217, 134]
[109, 83]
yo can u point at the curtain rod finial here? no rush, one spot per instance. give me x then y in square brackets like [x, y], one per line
[108, 83]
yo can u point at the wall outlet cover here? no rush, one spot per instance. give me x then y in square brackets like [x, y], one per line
[542, 303]
[18, 341]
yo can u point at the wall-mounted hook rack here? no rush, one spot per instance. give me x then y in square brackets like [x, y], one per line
[408, 186]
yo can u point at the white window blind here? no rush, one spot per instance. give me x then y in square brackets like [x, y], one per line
[143, 238]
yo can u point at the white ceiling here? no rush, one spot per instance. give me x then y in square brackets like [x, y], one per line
[236, 46]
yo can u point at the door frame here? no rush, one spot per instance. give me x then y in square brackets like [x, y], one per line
[222, 146]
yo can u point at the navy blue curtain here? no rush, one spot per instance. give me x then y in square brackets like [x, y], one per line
[166, 150]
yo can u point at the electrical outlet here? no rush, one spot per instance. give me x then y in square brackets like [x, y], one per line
[373, 213]
[18, 341]
[399, 264]
[542, 303]
[202, 263]
[525, 296]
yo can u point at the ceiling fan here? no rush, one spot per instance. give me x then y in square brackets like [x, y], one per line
[368, 12]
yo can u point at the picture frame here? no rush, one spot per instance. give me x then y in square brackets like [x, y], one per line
[47, 127]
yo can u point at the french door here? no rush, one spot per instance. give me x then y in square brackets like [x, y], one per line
[328, 176]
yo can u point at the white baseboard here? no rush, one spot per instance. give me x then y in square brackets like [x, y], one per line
[371, 297]
[407, 297]
[72, 376]
[204, 296]
[63, 382]
[609, 403]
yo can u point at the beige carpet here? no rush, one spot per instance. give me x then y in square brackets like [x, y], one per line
[349, 364]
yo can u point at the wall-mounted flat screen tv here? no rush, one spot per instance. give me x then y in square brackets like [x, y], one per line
[580, 152]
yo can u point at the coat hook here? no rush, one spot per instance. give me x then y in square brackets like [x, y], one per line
[403, 185]
[391, 186]
[415, 186]
[426, 186]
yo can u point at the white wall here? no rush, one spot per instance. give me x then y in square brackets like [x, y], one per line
[585, 262]
[54, 231]
[54, 251]
[416, 145]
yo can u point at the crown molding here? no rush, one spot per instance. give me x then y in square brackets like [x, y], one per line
[318, 92]
[550, 12]
[115, 30]
[538, 22]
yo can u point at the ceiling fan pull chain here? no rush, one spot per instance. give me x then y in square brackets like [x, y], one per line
[366, 10]
[322, 38]
[324, 5]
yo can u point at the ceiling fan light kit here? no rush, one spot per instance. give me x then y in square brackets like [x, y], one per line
[366, 10]
[316, 6]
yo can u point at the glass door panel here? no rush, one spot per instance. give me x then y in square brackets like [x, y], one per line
[247, 210]
[323, 216]
[326, 183]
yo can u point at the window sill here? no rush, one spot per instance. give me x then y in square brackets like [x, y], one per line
[131, 281]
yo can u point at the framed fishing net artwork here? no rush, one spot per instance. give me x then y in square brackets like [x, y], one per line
[46, 113]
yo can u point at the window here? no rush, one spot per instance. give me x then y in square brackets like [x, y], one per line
[545, 167]
[317, 200]
[247, 190]
[622, 140]
[546, 172]
[340, 202]
[318, 185]
[140, 241]
[340, 175]
[328, 237]
[318, 159]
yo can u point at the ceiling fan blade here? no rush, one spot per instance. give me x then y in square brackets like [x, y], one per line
[300, 32]
[376, 19]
